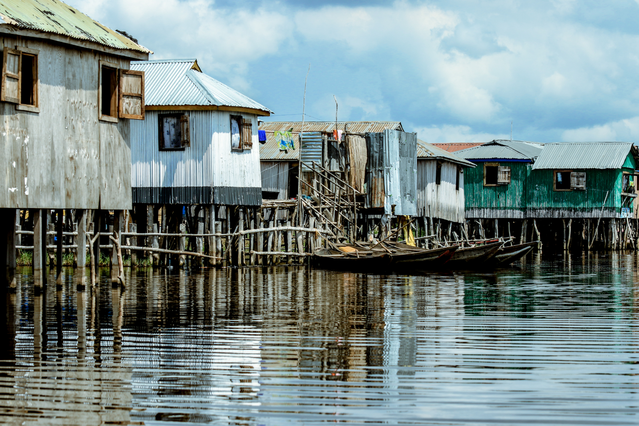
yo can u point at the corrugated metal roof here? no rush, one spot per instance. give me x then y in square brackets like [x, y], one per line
[583, 155]
[503, 149]
[329, 126]
[53, 16]
[427, 150]
[181, 83]
[270, 150]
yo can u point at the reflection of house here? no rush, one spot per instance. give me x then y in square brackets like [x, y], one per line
[67, 100]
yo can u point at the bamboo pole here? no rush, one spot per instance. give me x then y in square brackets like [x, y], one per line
[178, 252]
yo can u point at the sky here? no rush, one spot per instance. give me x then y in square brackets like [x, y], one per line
[452, 71]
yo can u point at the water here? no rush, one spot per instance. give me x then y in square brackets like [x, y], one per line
[555, 342]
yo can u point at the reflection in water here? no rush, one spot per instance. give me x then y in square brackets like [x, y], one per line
[554, 342]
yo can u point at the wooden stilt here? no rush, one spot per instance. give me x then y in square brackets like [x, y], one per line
[118, 217]
[97, 228]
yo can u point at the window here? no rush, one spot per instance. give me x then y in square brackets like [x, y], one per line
[20, 82]
[562, 180]
[438, 174]
[241, 133]
[108, 92]
[173, 130]
[628, 183]
[121, 93]
[458, 178]
[491, 171]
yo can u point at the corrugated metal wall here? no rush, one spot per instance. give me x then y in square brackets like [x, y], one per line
[441, 201]
[275, 178]
[400, 169]
[207, 163]
[311, 149]
[391, 172]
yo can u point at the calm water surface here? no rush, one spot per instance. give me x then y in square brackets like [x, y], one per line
[553, 342]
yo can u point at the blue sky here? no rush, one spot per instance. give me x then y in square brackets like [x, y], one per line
[559, 70]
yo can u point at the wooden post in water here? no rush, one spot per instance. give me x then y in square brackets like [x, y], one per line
[218, 242]
[97, 228]
[240, 240]
[81, 240]
[260, 236]
[116, 233]
[149, 229]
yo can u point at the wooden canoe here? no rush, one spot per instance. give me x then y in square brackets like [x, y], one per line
[473, 257]
[509, 254]
[357, 260]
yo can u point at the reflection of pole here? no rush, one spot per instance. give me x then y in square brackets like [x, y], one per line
[37, 326]
[116, 294]
[82, 322]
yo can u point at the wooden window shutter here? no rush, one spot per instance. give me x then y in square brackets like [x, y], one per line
[185, 130]
[247, 134]
[132, 94]
[11, 76]
[503, 175]
[578, 180]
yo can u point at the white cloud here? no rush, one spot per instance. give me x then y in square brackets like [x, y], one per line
[621, 130]
[448, 133]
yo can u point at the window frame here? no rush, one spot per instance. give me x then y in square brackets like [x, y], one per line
[554, 181]
[240, 121]
[20, 52]
[185, 142]
[114, 96]
[496, 166]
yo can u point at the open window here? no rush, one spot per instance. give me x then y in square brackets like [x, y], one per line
[438, 173]
[491, 173]
[108, 92]
[121, 93]
[562, 180]
[241, 133]
[458, 178]
[20, 81]
[173, 131]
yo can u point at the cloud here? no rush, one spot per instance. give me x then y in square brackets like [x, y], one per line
[467, 68]
[621, 130]
[449, 133]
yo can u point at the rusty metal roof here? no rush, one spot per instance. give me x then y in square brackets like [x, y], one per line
[583, 155]
[329, 126]
[456, 146]
[181, 82]
[426, 150]
[270, 150]
[54, 16]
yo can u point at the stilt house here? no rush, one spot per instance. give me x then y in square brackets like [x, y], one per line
[496, 188]
[557, 184]
[440, 184]
[67, 101]
[197, 146]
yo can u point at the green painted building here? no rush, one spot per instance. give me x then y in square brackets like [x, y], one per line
[497, 188]
[518, 180]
